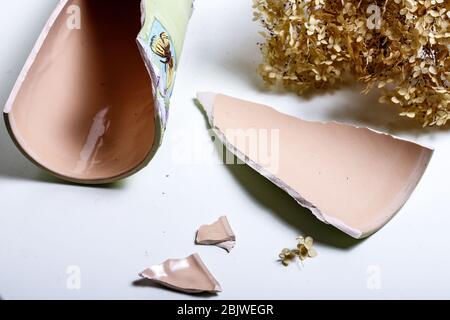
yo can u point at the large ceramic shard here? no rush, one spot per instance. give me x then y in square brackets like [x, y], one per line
[91, 102]
[218, 234]
[353, 178]
[188, 275]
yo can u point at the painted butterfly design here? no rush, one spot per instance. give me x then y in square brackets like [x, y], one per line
[161, 46]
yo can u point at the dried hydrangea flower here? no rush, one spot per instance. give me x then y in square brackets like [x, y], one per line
[401, 46]
[303, 251]
[287, 256]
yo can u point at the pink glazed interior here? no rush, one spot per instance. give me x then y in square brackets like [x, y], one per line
[85, 109]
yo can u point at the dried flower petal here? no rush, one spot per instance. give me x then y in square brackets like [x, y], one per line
[309, 242]
[312, 253]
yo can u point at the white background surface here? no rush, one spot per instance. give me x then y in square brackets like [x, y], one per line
[113, 233]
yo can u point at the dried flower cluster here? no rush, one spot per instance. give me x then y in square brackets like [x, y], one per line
[401, 46]
[303, 251]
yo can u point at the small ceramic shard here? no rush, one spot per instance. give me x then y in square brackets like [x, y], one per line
[353, 178]
[219, 234]
[188, 275]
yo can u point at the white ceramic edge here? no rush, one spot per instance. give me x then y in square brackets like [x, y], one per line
[227, 245]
